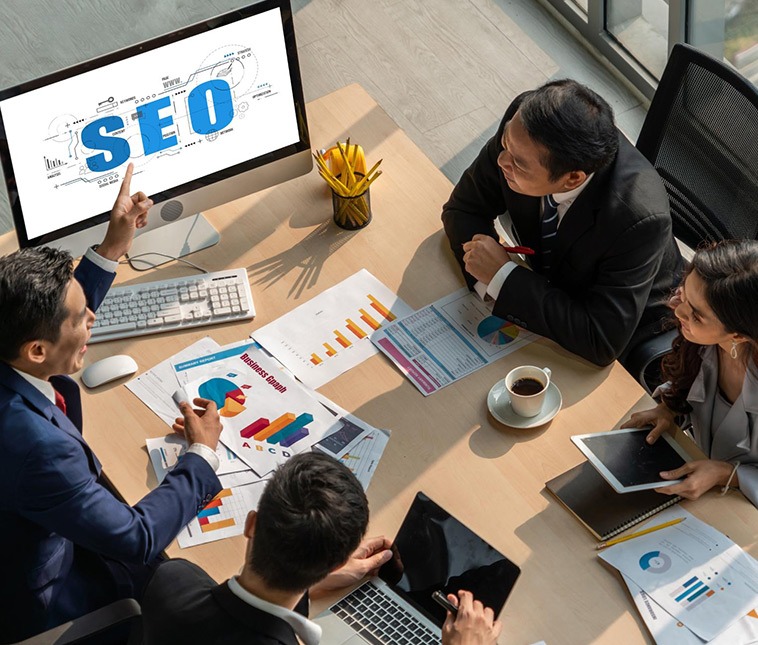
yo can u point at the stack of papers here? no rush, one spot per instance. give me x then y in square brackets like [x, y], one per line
[267, 416]
[691, 583]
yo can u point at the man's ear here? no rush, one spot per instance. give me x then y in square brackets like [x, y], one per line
[33, 351]
[573, 179]
[250, 520]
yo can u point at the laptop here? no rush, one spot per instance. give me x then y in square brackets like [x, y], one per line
[432, 551]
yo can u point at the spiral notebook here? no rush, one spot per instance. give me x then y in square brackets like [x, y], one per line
[605, 513]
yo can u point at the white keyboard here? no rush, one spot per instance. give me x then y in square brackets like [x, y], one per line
[167, 305]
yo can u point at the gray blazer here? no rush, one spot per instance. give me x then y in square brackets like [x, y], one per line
[736, 439]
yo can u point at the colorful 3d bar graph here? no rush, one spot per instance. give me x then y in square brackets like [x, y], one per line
[286, 430]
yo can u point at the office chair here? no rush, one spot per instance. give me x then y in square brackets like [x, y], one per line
[96, 627]
[701, 135]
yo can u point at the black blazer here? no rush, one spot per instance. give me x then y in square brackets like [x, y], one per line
[182, 604]
[614, 262]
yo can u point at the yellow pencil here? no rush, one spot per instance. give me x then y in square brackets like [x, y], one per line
[631, 536]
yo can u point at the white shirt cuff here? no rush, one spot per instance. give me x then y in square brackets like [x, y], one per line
[481, 289]
[201, 450]
[497, 282]
[104, 263]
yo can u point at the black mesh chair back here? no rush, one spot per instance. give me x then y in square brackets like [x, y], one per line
[701, 134]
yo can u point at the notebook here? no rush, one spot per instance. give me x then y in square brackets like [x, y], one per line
[605, 513]
[432, 551]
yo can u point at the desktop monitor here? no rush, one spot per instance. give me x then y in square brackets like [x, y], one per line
[207, 114]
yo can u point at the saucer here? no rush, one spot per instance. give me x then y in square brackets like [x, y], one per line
[499, 404]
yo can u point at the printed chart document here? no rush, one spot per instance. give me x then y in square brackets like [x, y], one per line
[449, 339]
[224, 516]
[694, 572]
[155, 386]
[329, 334]
[667, 630]
[266, 415]
[355, 443]
[165, 452]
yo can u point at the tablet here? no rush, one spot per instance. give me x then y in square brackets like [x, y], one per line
[628, 462]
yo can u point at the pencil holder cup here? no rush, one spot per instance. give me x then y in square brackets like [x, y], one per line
[352, 212]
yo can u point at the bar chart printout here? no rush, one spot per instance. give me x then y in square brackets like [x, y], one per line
[339, 323]
[224, 516]
[695, 573]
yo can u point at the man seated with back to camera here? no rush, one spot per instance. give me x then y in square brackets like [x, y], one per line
[305, 540]
[591, 207]
[70, 545]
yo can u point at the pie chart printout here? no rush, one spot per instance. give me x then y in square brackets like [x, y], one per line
[225, 394]
[497, 331]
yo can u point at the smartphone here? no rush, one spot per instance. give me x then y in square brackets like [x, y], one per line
[441, 599]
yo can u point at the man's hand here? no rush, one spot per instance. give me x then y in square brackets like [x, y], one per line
[483, 257]
[660, 417]
[129, 213]
[199, 426]
[700, 476]
[371, 554]
[474, 625]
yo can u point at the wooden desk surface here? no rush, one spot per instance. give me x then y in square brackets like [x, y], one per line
[490, 476]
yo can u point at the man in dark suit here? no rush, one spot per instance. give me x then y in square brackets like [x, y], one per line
[304, 540]
[592, 209]
[69, 544]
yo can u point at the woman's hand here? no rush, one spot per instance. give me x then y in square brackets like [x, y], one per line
[660, 417]
[699, 477]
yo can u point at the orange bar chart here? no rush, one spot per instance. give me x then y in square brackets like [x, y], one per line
[221, 524]
[315, 359]
[275, 426]
[386, 313]
[369, 319]
[355, 329]
[341, 339]
[330, 351]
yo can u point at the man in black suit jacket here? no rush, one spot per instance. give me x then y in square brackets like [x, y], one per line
[305, 539]
[605, 259]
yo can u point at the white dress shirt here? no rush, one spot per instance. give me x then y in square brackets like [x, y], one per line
[307, 631]
[564, 201]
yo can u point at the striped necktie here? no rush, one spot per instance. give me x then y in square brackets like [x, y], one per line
[549, 230]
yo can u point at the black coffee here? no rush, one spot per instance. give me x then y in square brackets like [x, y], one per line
[527, 386]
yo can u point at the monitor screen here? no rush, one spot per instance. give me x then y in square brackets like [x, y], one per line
[190, 109]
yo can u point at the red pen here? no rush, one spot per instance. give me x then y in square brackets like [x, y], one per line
[524, 250]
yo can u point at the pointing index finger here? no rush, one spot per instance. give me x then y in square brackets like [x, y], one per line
[126, 184]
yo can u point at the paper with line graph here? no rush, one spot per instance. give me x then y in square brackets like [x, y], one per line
[266, 415]
[329, 334]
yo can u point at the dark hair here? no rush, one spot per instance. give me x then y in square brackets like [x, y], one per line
[33, 286]
[311, 517]
[729, 270]
[573, 123]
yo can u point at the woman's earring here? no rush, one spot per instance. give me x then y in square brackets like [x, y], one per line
[733, 353]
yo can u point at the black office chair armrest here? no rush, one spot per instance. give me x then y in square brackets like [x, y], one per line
[96, 623]
[645, 355]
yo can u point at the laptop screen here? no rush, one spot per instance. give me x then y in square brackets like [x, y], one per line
[434, 551]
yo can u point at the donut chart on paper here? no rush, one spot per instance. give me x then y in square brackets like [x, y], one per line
[497, 331]
[655, 562]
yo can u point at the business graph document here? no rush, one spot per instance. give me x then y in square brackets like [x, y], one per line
[667, 630]
[224, 516]
[329, 334]
[266, 415]
[449, 339]
[694, 572]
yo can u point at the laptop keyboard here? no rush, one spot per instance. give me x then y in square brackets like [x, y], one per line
[380, 620]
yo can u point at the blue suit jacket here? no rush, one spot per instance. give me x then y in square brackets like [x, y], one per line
[68, 544]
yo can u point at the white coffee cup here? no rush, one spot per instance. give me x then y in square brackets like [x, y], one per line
[527, 400]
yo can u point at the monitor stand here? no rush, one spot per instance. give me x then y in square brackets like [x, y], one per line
[170, 241]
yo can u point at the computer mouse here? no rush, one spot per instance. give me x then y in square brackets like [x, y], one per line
[108, 369]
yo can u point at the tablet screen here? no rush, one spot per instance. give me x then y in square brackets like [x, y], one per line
[632, 460]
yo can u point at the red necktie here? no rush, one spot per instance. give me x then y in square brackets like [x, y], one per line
[60, 402]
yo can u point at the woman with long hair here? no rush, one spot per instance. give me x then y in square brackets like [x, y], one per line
[712, 372]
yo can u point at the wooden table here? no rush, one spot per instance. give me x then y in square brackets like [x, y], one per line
[490, 476]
